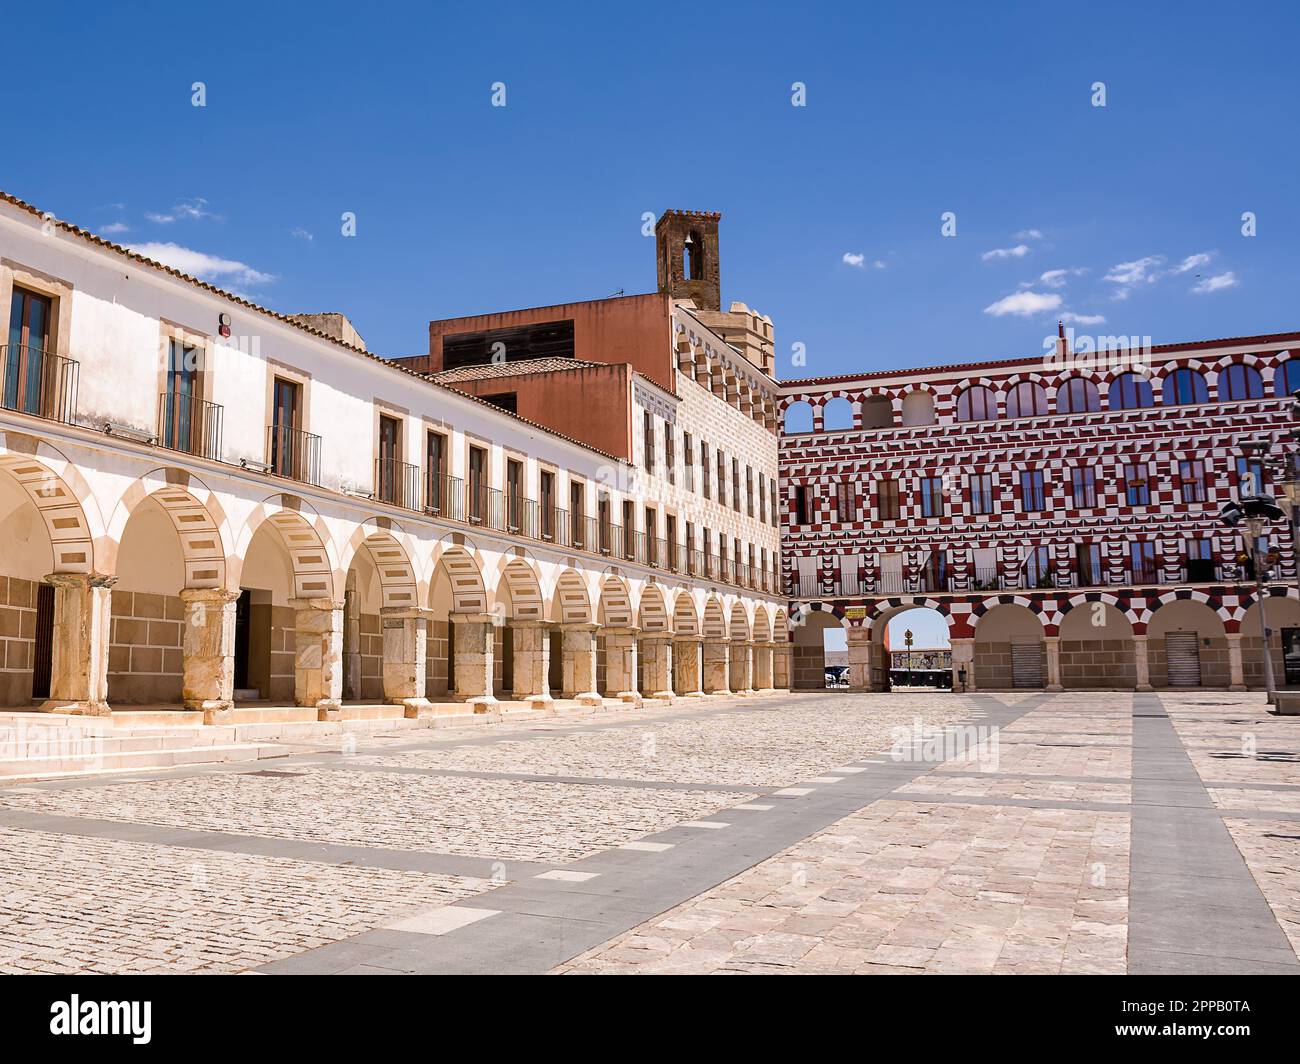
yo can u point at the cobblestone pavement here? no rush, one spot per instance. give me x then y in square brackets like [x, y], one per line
[765, 835]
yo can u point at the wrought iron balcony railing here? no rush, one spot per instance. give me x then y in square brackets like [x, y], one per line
[191, 424]
[293, 453]
[397, 483]
[35, 381]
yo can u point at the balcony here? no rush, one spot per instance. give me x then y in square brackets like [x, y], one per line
[190, 424]
[397, 483]
[34, 381]
[485, 506]
[444, 496]
[293, 453]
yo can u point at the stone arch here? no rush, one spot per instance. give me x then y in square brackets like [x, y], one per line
[797, 416]
[193, 510]
[762, 625]
[570, 600]
[686, 619]
[1096, 648]
[715, 621]
[837, 414]
[653, 613]
[877, 412]
[397, 580]
[62, 499]
[464, 574]
[1181, 615]
[615, 606]
[780, 626]
[1010, 646]
[918, 407]
[305, 537]
[525, 589]
[738, 629]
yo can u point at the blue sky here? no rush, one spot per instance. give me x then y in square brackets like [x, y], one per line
[912, 110]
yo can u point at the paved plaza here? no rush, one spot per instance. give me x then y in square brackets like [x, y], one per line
[1030, 832]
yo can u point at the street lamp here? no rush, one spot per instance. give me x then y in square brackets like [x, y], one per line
[1254, 513]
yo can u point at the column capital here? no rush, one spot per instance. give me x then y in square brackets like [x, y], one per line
[580, 626]
[471, 618]
[628, 630]
[324, 604]
[219, 595]
[80, 580]
[405, 613]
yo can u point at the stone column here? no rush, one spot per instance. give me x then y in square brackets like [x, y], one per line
[963, 657]
[82, 624]
[474, 659]
[533, 663]
[406, 642]
[859, 641]
[579, 642]
[351, 638]
[620, 664]
[781, 655]
[1236, 677]
[1052, 644]
[318, 649]
[686, 668]
[742, 667]
[1141, 664]
[208, 652]
[658, 650]
[763, 666]
[717, 659]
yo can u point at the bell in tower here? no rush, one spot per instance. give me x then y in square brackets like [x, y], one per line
[686, 245]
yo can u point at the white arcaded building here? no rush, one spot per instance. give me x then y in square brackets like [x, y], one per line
[204, 501]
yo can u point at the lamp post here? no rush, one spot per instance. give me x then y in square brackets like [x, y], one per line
[1254, 513]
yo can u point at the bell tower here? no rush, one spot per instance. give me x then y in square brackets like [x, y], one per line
[686, 246]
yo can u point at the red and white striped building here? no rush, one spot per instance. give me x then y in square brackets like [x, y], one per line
[1061, 512]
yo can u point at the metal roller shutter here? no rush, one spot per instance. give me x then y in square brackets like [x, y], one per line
[1027, 664]
[1183, 659]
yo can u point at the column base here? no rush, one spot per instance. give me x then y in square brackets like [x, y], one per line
[1053, 687]
[217, 711]
[632, 698]
[1236, 687]
[415, 708]
[688, 694]
[77, 709]
[665, 696]
[541, 703]
[1144, 687]
[329, 709]
[589, 698]
[482, 704]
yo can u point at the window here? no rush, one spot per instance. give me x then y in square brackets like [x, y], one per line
[435, 472]
[1200, 559]
[1084, 484]
[1142, 562]
[1087, 560]
[932, 496]
[977, 403]
[801, 504]
[180, 428]
[1191, 477]
[887, 500]
[1031, 491]
[1286, 379]
[670, 452]
[477, 483]
[1250, 476]
[749, 490]
[1038, 567]
[1077, 396]
[25, 354]
[603, 522]
[688, 460]
[1137, 485]
[691, 567]
[1240, 382]
[286, 440]
[651, 535]
[845, 507]
[648, 422]
[548, 504]
[981, 493]
[771, 494]
[722, 478]
[704, 469]
[762, 498]
[670, 536]
[1184, 386]
[629, 529]
[514, 494]
[1128, 391]
[1026, 399]
[389, 480]
[735, 484]
[578, 514]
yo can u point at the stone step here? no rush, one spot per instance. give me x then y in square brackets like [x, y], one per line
[247, 694]
[377, 712]
[273, 714]
[58, 766]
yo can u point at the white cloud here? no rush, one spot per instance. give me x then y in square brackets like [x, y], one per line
[1216, 283]
[1057, 278]
[113, 228]
[202, 265]
[1030, 234]
[1024, 304]
[859, 261]
[301, 234]
[1193, 261]
[1070, 318]
[1129, 275]
[1017, 252]
[191, 210]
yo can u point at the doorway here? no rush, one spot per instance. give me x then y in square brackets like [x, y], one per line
[43, 650]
